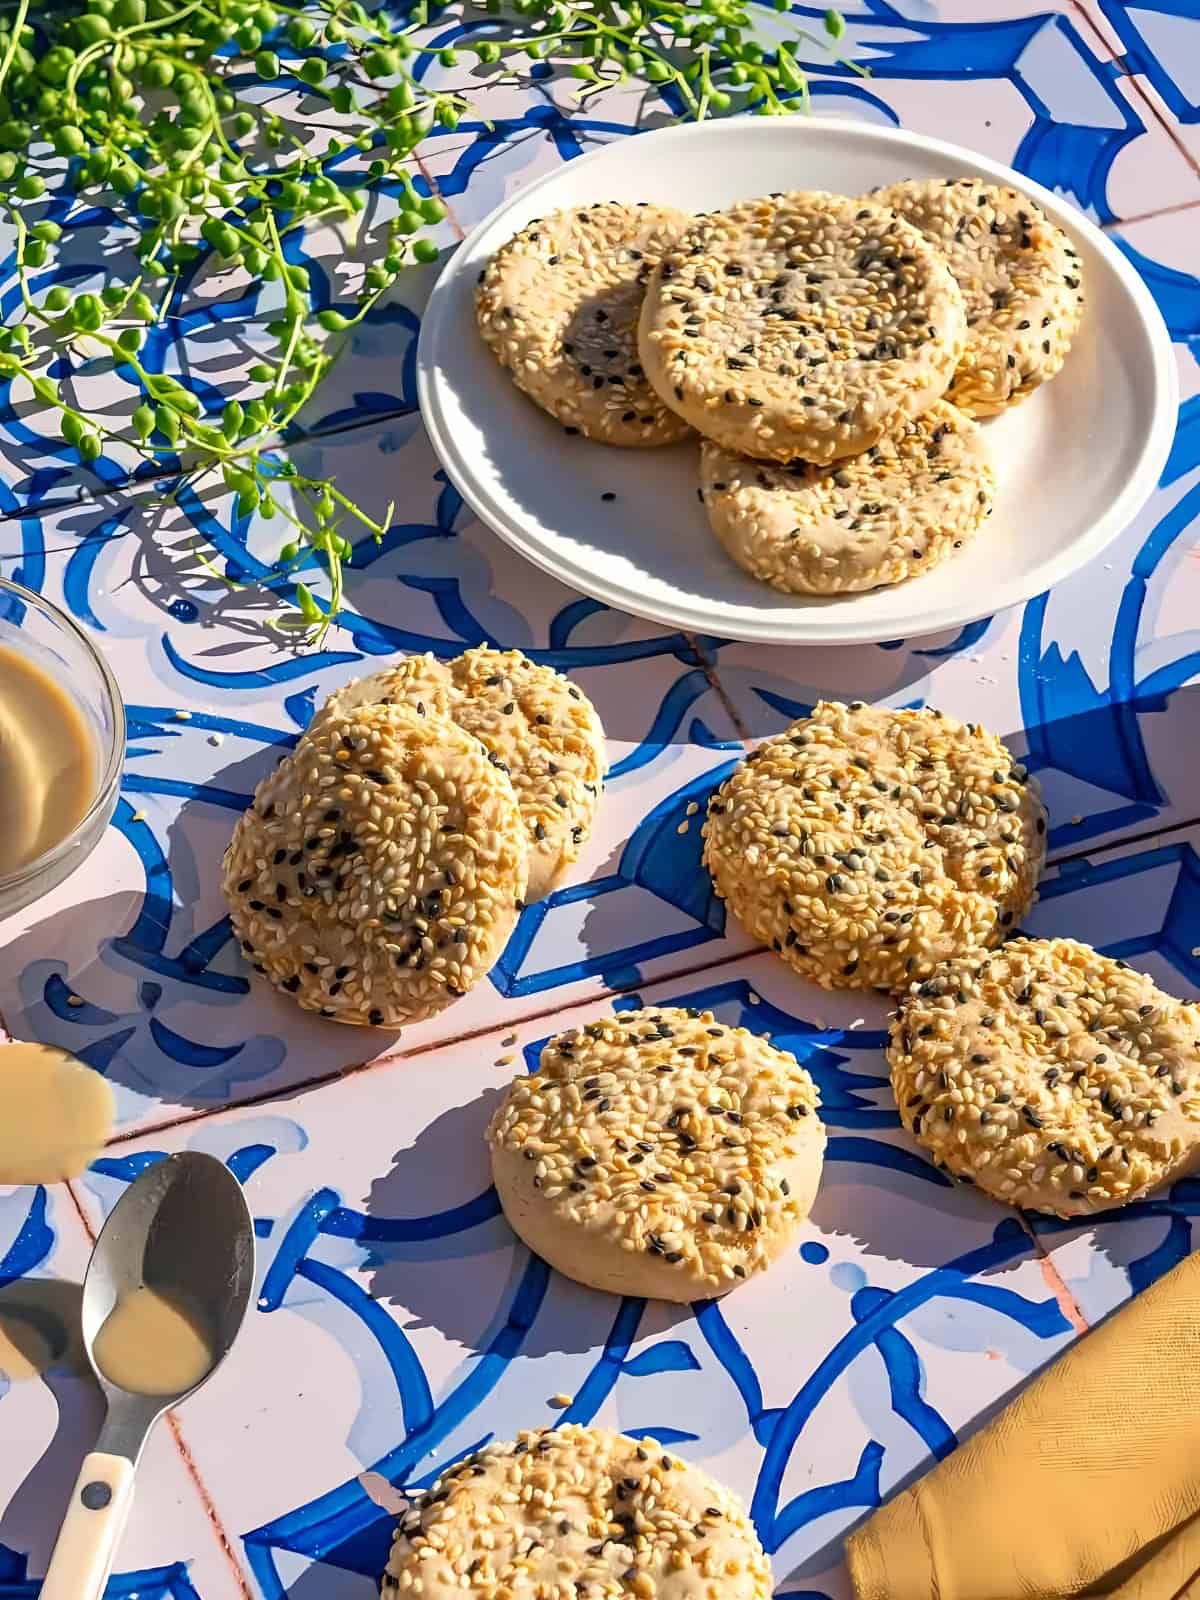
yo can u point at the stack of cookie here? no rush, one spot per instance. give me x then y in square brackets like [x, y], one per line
[382, 865]
[831, 352]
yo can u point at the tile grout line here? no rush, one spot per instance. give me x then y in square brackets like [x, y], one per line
[436, 189]
[125, 491]
[185, 1454]
[1069, 1307]
[395, 1057]
[1100, 848]
[1150, 216]
[709, 665]
[206, 1501]
[69, 1185]
[1092, 28]
[1165, 122]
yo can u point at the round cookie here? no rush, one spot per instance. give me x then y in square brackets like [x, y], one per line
[898, 509]
[558, 305]
[659, 1153]
[801, 325]
[1051, 1076]
[866, 845]
[380, 869]
[1020, 279]
[579, 1512]
[536, 726]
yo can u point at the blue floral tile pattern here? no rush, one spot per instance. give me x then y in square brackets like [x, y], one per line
[1158, 40]
[151, 988]
[212, 331]
[1023, 86]
[398, 1322]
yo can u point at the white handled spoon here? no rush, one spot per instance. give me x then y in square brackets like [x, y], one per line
[165, 1294]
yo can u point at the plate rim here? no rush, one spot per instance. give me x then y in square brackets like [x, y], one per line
[1136, 490]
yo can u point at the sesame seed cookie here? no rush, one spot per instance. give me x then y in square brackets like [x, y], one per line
[899, 508]
[422, 683]
[558, 305]
[576, 1511]
[535, 724]
[804, 324]
[380, 869]
[1020, 279]
[659, 1153]
[1050, 1075]
[866, 845]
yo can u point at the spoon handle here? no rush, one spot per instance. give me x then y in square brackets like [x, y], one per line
[87, 1541]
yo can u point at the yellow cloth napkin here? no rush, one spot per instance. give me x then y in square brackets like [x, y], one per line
[1086, 1484]
[1170, 1574]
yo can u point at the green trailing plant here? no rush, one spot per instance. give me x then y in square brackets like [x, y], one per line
[169, 111]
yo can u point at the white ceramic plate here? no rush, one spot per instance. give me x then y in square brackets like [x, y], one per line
[1075, 462]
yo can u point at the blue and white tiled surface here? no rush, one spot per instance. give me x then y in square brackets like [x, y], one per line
[398, 1323]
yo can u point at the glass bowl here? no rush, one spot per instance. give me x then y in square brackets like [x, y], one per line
[46, 636]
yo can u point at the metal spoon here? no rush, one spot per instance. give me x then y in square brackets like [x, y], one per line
[183, 1226]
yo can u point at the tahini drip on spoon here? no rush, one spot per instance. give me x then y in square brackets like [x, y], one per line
[165, 1294]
